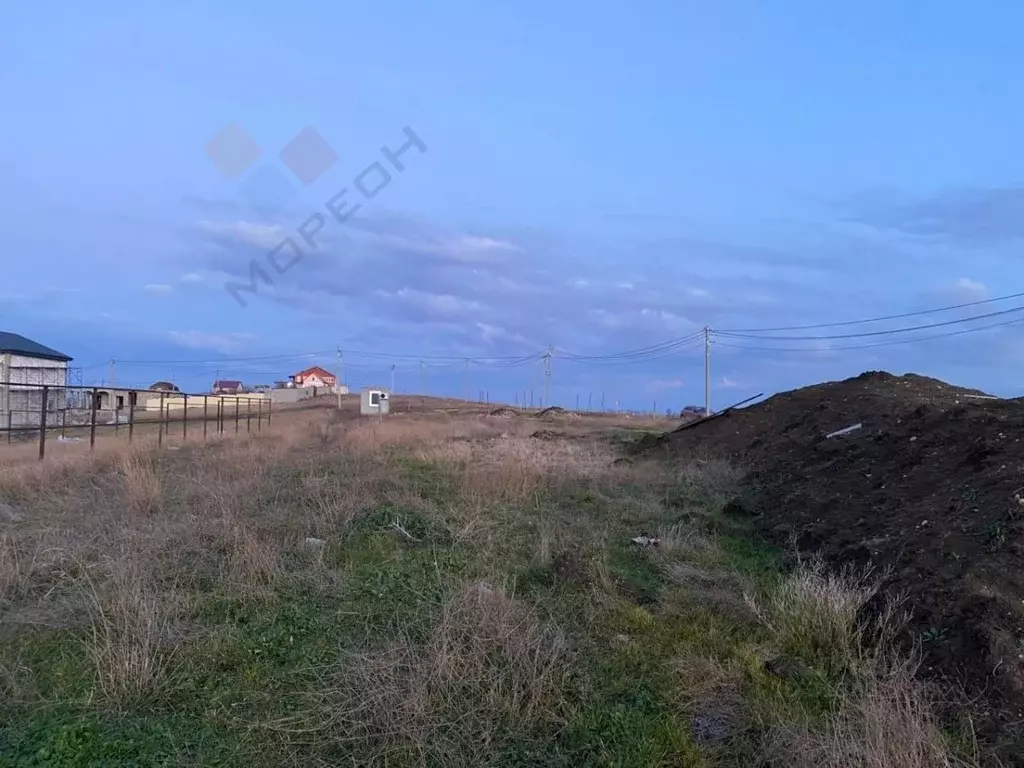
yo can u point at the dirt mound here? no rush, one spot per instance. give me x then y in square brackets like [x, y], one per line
[551, 412]
[504, 413]
[930, 485]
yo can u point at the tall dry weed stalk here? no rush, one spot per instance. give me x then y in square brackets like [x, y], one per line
[130, 625]
[142, 484]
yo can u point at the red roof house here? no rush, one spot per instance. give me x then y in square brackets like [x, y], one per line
[315, 377]
[227, 387]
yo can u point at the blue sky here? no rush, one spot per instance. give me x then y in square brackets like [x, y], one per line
[598, 177]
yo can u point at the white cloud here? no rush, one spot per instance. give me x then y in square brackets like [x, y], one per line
[480, 244]
[491, 333]
[160, 288]
[219, 342]
[249, 232]
[970, 290]
[192, 277]
[728, 383]
[443, 303]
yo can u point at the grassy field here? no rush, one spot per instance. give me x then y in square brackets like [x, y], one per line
[435, 589]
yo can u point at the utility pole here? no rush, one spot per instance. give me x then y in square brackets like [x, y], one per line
[337, 381]
[547, 376]
[422, 389]
[392, 378]
[113, 372]
[465, 384]
[707, 371]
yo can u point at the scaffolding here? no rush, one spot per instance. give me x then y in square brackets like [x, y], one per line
[22, 389]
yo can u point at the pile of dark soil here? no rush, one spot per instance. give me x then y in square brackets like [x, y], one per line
[551, 412]
[504, 413]
[930, 485]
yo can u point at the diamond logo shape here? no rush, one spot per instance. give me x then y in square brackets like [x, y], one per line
[232, 150]
[308, 156]
[267, 191]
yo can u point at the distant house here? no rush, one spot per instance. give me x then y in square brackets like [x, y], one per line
[27, 366]
[227, 387]
[315, 377]
[163, 386]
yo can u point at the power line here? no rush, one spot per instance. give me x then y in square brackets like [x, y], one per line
[636, 353]
[737, 335]
[878, 319]
[876, 344]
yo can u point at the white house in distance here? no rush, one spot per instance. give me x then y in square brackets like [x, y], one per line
[25, 366]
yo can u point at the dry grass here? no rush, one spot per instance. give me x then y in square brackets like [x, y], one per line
[133, 528]
[142, 483]
[488, 671]
[884, 723]
[253, 561]
[821, 612]
[130, 631]
[884, 717]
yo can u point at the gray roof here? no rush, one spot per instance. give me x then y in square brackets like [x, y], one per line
[16, 344]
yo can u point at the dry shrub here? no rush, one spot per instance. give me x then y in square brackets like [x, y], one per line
[819, 613]
[130, 625]
[487, 671]
[883, 723]
[717, 479]
[253, 561]
[884, 718]
[142, 484]
[15, 568]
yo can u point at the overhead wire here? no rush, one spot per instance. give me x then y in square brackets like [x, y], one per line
[887, 332]
[910, 340]
[880, 319]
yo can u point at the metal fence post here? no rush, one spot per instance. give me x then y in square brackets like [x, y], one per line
[220, 415]
[64, 420]
[132, 400]
[259, 415]
[160, 422]
[248, 414]
[42, 423]
[184, 421]
[92, 418]
[236, 414]
[10, 425]
[270, 409]
[205, 415]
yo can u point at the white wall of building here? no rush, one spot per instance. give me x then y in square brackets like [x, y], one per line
[21, 393]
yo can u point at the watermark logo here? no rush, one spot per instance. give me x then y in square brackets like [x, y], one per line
[267, 188]
[308, 156]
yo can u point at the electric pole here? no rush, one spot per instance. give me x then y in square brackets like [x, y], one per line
[337, 381]
[465, 384]
[423, 391]
[113, 372]
[392, 378]
[547, 376]
[707, 371]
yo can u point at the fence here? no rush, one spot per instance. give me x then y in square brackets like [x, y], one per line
[44, 412]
